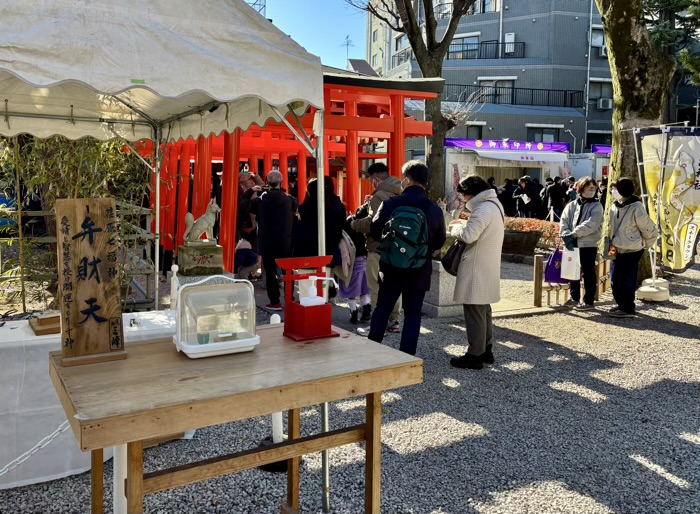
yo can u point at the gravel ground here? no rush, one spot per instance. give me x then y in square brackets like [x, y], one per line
[581, 414]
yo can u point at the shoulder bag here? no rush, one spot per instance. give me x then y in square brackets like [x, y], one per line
[454, 254]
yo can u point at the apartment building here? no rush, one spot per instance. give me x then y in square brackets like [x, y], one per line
[539, 69]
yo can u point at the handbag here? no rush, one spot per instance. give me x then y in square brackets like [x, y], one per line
[571, 265]
[552, 272]
[453, 257]
[454, 254]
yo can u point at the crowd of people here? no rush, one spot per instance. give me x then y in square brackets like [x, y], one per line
[525, 197]
[382, 254]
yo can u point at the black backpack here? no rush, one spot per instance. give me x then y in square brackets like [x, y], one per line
[404, 243]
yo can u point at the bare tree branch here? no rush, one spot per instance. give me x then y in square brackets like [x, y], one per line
[459, 9]
[430, 24]
[383, 10]
[409, 20]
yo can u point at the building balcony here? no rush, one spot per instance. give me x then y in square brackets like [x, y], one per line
[443, 10]
[513, 96]
[401, 57]
[486, 50]
[465, 51]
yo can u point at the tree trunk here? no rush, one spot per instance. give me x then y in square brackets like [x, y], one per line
[435, 148]
[641, 79]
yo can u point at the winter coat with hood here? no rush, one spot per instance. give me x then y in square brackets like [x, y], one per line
[479, 273]
[631, 228]
[583, 219]
[387, 189]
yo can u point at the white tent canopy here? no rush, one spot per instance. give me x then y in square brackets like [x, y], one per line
[95, 67]
[160, 70]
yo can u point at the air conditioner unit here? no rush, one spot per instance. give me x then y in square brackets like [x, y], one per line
[605, 104]
[603, 51]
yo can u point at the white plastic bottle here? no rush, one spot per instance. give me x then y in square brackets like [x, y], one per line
[313, 298]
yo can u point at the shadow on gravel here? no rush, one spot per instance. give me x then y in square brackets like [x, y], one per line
[536, 420]
[648, 323]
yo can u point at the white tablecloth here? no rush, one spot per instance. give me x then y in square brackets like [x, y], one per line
[29, 407]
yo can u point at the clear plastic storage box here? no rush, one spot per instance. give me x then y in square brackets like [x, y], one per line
[215, 318]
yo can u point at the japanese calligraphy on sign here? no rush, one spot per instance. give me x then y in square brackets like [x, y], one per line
[88, 249]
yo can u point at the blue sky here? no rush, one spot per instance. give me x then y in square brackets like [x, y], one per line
[320, 26]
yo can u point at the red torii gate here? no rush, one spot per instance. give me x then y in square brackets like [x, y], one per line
[358, 110]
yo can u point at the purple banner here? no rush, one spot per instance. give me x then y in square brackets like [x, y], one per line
[602, 149]
[496, 144]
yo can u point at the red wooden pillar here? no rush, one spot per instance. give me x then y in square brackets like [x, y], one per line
[284, 170]
[397, 144]
[302, 177]
[229, 197]
[202, 177]
[253, 164]
[164, 181]
[170, 198]
[352, 196]
[267, 159]
[186, 154]
[326, 146]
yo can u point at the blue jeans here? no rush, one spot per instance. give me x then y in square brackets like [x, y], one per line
[389, 292]
[624, 271]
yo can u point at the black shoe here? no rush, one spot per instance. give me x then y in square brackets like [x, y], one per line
[467, 361]
[487, 356]
[353, 317]
[366, 313]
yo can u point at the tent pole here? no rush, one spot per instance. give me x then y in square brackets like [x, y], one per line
[156, 239]
[320, 194]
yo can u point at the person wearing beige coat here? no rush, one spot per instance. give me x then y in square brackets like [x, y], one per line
[479, 272]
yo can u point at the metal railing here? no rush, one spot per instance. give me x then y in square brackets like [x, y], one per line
[486, 50]
[401, 57]
[514, 95]
[443, 10]
[462, 51]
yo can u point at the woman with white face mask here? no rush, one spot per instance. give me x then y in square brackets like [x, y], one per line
[581, 227]
[631, 232]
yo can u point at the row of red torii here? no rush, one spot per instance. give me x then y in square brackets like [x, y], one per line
[355, 116]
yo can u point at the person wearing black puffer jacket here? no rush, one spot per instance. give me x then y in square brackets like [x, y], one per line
[274, 210]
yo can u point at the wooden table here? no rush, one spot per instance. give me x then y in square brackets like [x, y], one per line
[157, 391]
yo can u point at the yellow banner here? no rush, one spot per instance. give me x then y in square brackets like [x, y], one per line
[671, 179]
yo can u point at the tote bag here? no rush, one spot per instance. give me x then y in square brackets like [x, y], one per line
[552, 272]
[571, 264]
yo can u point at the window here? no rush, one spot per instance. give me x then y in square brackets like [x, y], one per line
[483, 6]
[473, 132]
[543, 135]
[597, 38]
[464, 48]
[598, 139]
[497, 91]
[375, 35]
[600, 90]
[399, 42]
[374, 60]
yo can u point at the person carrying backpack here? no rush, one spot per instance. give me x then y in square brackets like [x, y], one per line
[410, 228]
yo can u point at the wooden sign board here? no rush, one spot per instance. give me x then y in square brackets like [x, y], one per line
[87, 232]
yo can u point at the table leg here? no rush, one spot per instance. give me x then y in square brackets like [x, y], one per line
[134, 477]
[119, 492]
[98, 481]
[293, 429]
[373, 453]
